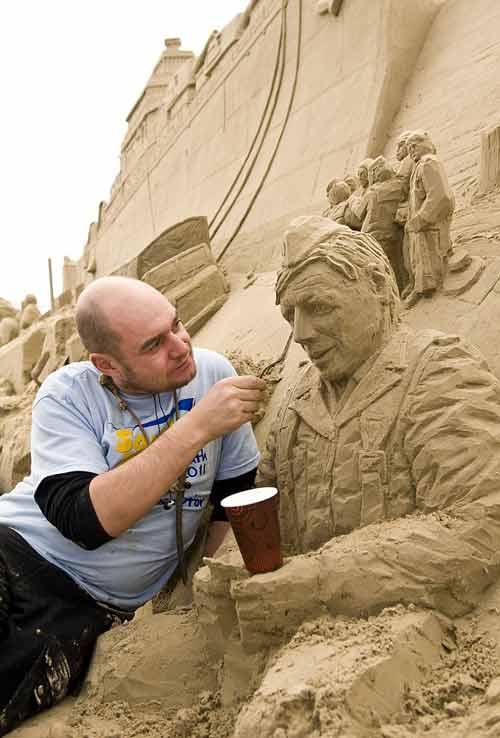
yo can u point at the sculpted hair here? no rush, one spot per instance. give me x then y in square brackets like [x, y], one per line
[94, 329]
[353, 255]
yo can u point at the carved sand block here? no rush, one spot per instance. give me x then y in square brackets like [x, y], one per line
[175, 239]
[344, 677]
[490, 159]
[15, 457]
[18, 357]
[54, 352]
[193, 282]
[171, 242]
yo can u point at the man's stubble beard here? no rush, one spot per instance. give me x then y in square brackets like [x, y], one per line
[132, 385]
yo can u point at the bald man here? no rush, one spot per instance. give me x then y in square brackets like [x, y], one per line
[87, 538]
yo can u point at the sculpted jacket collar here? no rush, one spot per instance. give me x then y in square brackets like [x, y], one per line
[372, 380]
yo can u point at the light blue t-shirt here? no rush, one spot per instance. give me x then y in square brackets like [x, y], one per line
[78, 426]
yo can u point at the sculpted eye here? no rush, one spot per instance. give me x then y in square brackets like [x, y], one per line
[320, 308]
[288, 313]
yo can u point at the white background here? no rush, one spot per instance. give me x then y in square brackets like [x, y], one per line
[70, 72]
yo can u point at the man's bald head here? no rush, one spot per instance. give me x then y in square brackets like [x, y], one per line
[105, 308]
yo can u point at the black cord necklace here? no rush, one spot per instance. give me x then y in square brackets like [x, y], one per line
[178, 487]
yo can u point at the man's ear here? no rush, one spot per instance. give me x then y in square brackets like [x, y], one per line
[379, 282]
[104, 363]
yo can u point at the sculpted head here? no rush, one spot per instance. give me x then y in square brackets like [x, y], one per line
[352, 181]
[337, 191]
[134, 336]
[379, 170]
[402, 145]
[363, 172]
[30, 299]
[339, 294]
[419, 144]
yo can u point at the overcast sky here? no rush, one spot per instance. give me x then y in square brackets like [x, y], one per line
[70, 73]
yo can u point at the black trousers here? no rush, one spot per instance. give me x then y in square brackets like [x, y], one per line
[48, 629]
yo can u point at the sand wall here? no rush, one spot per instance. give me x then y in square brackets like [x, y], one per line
[352, 73]
[454, 90]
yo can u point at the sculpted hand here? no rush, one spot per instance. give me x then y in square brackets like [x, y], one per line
[272, 606]
[415, 224]
[228, 404]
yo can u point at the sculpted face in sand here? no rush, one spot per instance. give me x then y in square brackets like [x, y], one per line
[338, 323]
[402, 146]
[363, 173]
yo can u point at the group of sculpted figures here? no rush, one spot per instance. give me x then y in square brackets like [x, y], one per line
[406, 208]
[13, 321]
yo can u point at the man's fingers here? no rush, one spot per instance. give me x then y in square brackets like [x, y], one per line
[247, 381]
[250, 407]
[250, 395]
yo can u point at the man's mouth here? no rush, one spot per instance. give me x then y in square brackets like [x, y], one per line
[318, 354]
[183, 363]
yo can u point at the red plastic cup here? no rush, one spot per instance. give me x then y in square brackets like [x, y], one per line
[253, 515]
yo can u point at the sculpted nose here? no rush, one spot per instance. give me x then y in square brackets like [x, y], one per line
[302, 328]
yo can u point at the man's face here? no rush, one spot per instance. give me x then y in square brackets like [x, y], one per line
[374, 173]
[363, 176]
[417, 148]
[338, 323]
[156, 353]
[402, 150]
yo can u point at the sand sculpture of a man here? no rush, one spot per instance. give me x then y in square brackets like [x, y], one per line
[404, 171]
[337, 192]
[406, 165]
[352, 181]
[9, 326]
[385, 452]
[355, 210]
[431, 205]
[29, 311]
[383, 198]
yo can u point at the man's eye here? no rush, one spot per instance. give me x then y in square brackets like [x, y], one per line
[320, 308]
[156, 344]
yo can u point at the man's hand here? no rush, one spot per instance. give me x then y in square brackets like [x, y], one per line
[272, 606]
[126, 493]
[228, 404]
[416, 224]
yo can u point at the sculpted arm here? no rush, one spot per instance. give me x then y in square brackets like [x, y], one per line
[266, 472]
[438, 203]
[358, 205]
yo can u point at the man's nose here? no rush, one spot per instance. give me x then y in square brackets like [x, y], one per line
[176, 346]
[302, 327]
